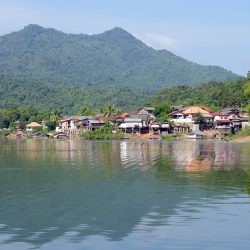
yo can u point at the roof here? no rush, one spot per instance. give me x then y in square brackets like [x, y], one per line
[196, 109]
[229, 110]
[139, 116]
[198, 132]
[147, 108]
[223, 121]
[219, 114]
[75, 117]
[33, 125]
[133, 120]
[95, 121]
[192, 110]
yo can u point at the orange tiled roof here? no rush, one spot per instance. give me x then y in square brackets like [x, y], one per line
[196, 109]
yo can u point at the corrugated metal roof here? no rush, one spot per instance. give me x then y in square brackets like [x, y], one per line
[133, 120]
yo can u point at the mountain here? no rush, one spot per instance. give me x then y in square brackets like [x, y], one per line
[70, 99]
[113, 57]
[216, 95]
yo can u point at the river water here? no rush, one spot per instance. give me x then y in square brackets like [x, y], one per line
[76, 194]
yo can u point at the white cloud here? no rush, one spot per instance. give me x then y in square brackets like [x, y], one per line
[160, 41]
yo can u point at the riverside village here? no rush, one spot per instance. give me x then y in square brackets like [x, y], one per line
[191, 122]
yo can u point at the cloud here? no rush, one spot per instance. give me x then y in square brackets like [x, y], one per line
[160, 41]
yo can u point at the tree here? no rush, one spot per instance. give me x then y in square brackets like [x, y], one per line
[110, 110]
[248, 75]
[247, 89]
[162, 109]
[86, 111]
[55, 115]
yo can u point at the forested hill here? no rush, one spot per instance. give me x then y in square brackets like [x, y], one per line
[113, 57]
[21, 91]
[216, 95]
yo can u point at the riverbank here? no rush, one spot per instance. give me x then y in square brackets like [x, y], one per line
[242, 139]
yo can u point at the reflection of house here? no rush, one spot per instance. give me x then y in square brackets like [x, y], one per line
[31, 127]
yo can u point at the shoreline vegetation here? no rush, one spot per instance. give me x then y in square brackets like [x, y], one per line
[168, 115]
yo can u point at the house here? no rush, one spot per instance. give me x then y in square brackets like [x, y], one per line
[225, 114]
[33, 126]
[91, 123]
[228, 117]
[146, 111]
[155, 127]
[187, 115]
[196, 134]
[224, 127]
[69, 123]
[133, 125]
[160, 128]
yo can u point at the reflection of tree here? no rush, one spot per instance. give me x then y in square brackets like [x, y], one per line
[84, 187]
[247, 170]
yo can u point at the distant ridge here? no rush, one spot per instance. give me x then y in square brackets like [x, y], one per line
[113, 57]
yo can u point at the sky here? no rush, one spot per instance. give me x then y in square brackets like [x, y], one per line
[209, 32]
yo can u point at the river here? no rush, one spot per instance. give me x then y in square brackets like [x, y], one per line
[77, 194]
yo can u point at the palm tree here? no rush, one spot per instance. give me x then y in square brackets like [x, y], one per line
[110, 110]
[55, 115]
[86, 111]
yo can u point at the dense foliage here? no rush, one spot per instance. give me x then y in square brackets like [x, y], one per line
[20, 91]
[213, 94]
[114, 57]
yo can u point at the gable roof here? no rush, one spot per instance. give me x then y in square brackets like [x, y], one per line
[33, 125]
[192, 110]
[135, 120]
[196, 109]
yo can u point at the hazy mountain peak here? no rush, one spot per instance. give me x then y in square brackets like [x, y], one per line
[33, 28]
[114, 56]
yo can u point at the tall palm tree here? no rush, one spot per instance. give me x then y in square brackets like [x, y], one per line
[55, 115]
[86, 111]
[110, 110]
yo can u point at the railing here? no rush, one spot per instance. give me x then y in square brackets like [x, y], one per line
[223, 127]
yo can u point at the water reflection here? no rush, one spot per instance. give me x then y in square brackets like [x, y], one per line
[69, 190]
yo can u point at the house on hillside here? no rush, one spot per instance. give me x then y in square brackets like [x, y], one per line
[187, 116]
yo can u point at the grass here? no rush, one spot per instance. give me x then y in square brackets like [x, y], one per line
[240, 134]
[170, 137]
[101, 134]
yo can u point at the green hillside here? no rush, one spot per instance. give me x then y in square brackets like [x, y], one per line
[114, 57]
[20, 92]
[213, 94]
